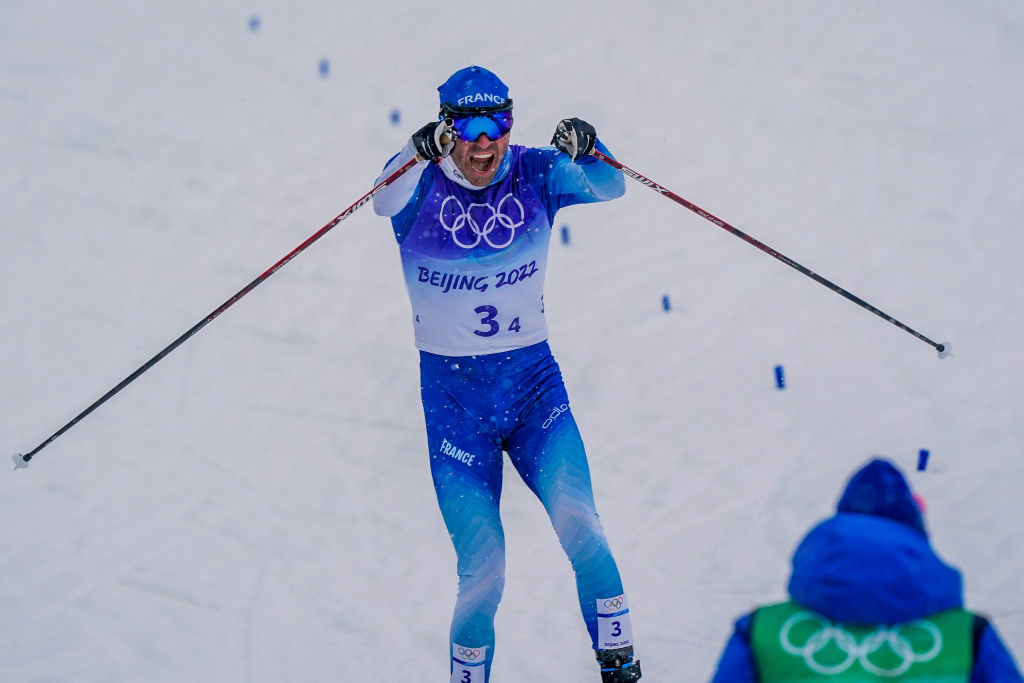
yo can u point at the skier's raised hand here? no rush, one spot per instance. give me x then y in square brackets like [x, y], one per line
[435, 140]
[575, 137]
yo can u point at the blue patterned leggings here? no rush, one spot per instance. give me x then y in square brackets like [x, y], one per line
[476, 407]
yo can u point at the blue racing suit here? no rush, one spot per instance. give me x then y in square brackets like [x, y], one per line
[474, 261]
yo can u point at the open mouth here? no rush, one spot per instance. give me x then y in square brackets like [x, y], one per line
[481, 163]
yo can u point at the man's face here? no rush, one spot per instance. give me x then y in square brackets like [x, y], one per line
[478, 160]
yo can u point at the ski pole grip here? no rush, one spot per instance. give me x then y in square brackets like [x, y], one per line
[445, 140]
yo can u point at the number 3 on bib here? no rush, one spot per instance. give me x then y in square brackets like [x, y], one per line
[488, 323]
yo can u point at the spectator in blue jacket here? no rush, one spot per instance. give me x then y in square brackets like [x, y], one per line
[869, 600]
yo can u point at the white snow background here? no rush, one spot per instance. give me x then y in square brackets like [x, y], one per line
[258, 507]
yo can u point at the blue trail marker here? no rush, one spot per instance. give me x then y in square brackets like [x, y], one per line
[922, 459]
[666, 305]
[254, 23]
[565, 234]
[325, 68]
[780, 377]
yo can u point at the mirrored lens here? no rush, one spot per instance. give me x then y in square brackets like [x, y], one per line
[493, 124]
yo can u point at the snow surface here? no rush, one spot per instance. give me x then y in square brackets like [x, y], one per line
[257, 507]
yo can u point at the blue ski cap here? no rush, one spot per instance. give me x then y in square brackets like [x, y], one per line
[473, 88]
[478, 102]
[879, 489]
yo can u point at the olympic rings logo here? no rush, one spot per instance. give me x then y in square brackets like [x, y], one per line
[468, 654]
[862, 652]
[466, 221]
[614, 603]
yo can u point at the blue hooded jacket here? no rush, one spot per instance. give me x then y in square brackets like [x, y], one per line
[872, 563]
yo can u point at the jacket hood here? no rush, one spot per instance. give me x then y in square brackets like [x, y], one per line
[879, 489]
[872, 563]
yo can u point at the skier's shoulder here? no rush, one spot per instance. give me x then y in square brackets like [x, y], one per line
[534, 156]
[537, 165]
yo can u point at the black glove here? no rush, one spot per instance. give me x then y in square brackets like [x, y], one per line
[435, 140]
[575, 137]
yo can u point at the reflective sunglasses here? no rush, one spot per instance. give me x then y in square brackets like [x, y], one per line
[472, 123]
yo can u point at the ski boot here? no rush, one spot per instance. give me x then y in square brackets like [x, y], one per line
[618, 665]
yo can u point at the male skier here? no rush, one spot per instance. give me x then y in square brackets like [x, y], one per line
[473, 223]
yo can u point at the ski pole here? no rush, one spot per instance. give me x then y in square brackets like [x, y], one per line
[943, 348]
[23, 460]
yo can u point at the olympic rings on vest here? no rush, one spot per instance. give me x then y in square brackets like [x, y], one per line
[830, 632]
[494, 218]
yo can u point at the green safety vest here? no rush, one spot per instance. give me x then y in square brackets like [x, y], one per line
[792, 644]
